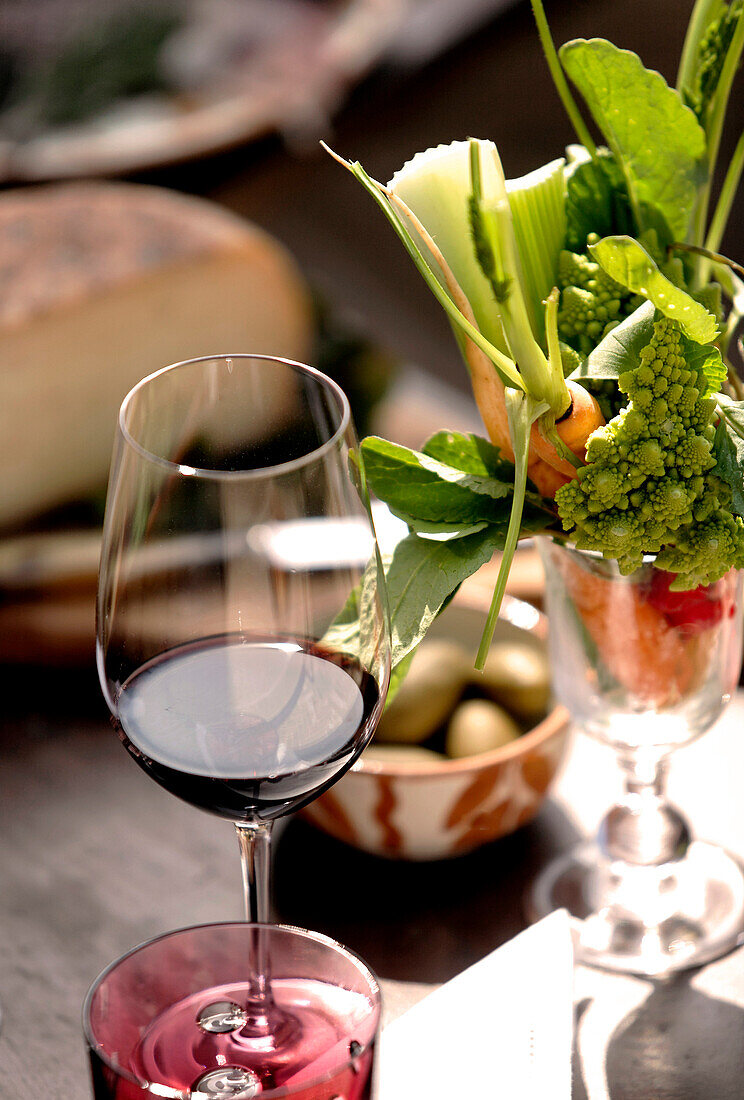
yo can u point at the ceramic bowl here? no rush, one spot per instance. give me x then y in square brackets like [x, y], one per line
[437, 809]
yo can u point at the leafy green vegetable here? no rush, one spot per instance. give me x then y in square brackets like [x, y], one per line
[649, 485]
[591, 301]
[706, 358]
[421, 577]
[538, 206]
[701, 84]
[621, 346]
[357, 628]
[728, 449]
[414, 484]
[629, 264]
[659, 476]
[470, 453]
[656, 140]
[428, 494]
[596, 200]
[732, 414]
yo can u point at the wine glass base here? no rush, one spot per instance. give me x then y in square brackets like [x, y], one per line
[646, 920]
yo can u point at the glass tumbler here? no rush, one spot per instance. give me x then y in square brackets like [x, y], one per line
[166, 1021]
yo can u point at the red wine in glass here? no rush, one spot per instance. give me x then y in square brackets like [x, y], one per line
[248, 728]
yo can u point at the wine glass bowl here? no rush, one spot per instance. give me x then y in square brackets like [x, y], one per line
[644, 669]
[236, 534]
[638, 665]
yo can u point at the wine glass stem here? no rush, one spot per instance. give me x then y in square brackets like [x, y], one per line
[255, 860]
[643, 829]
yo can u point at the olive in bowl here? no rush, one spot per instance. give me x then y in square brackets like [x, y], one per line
[405, 798]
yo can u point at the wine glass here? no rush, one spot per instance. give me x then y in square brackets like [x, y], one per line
[242, 631]
[645, 670]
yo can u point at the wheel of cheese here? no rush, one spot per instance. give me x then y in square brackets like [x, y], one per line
[101, 284]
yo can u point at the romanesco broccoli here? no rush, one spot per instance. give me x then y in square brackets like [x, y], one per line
[591, 303]
[648, 486]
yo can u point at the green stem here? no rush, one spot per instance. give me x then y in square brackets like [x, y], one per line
[498, 256]
[702, 16]
[726, 199]
[706, 253]
[714, 129]
[559, 389]
[549, 431]
[714, 126]
[522, 411]
[559, 79]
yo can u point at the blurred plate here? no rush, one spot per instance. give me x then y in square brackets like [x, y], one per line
[236, 70]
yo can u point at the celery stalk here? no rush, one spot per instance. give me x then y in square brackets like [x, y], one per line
[538, 206]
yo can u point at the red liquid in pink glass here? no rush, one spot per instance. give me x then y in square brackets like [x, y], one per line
[312, 1056]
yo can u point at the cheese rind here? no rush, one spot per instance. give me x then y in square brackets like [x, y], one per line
[102, 284]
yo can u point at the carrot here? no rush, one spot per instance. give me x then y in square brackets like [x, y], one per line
[643, 652]
[546, 470]
[546, 479]
[583, 417]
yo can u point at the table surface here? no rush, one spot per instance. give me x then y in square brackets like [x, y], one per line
[96, 858]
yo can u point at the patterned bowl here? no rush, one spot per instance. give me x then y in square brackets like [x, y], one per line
[436, 809]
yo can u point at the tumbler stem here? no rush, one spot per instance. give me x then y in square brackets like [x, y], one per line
[643, 829]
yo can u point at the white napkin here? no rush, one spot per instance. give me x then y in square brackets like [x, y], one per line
[501, 1030]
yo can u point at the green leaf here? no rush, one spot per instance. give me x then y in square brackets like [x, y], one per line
[397, 676]
[423, 574]
[728, 447]
[413, 484]
[619, 349]
[596, 201]
[357, 627]
[475, 455]
[629, 264]
[707, 358]
[469, 453]
[656, 140]
[443, 532]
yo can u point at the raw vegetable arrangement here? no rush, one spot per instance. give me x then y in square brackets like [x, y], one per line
[595, 316]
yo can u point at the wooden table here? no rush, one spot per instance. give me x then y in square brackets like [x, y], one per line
[95, 858]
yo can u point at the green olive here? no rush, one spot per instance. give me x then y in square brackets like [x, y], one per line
[402, 754]
[427, 696]
[479, 726]
[517, 676]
